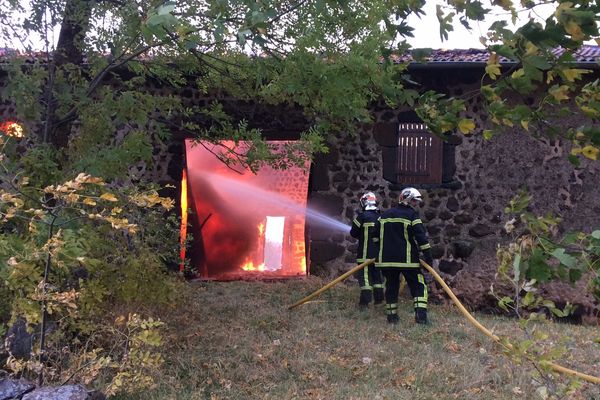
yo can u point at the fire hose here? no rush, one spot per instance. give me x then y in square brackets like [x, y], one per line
[464, 311]
[332, 283]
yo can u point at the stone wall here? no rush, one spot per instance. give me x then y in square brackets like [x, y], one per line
[465, 218]
[282, 122]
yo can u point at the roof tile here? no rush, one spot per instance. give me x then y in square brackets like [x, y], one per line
[586, 54]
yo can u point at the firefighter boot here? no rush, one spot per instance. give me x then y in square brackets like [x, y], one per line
[378, 295]
[421, 315]
[393, 319]
[365, 299]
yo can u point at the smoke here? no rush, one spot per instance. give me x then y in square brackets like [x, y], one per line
[229, 234]
[238, 203]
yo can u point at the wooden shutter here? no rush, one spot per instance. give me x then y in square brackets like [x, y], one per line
[419, 156]
[386, 136]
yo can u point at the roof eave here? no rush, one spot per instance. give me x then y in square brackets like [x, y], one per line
[474, 64]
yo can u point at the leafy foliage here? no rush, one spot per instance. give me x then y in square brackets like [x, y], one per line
[539, 67]
[536, 256]
[70, 253]
[78, 245]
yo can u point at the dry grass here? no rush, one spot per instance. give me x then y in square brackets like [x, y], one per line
[237, 340]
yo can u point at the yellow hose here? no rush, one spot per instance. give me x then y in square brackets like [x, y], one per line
[491, 335]
[462, 309]
[332, 283]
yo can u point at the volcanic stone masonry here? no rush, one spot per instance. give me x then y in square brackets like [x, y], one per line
[464, 215]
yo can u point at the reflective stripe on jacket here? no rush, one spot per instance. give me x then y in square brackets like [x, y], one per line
[362, 229]
[401, 236]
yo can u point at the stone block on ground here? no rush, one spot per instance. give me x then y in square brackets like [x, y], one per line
[67, 392]
[14, 388]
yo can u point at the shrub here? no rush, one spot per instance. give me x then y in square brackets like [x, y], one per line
[83, 263]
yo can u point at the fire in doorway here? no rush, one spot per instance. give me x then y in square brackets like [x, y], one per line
[244, 225]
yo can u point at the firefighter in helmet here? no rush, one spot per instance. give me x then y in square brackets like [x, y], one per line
[402, 236]
[369, 278]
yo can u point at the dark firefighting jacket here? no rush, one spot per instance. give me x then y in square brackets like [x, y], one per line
[362, 229]
[401, 236]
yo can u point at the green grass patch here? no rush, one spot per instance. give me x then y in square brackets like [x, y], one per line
[237, 340]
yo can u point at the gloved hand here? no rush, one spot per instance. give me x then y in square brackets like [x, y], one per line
[428, 257]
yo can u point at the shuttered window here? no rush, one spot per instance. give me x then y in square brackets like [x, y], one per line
[418, 155]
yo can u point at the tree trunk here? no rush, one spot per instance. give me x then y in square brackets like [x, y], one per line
[69, 50]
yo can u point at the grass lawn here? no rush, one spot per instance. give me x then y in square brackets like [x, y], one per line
[237, 340]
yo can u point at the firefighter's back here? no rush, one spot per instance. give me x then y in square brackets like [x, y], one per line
[395, 235]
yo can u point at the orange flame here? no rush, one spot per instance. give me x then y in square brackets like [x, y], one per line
[249, 266]
[244, 239]
[184, 217]
[12, 128]
[299, 255]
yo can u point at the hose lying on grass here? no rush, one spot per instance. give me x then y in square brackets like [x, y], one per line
[332, 283]
[462, 309]
[495, 338]
[339, 279]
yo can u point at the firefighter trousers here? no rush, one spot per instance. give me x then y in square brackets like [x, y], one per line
[370, 280]
[416, 284]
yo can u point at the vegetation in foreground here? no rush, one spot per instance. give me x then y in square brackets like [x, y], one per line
[237, 340]
[72, 269]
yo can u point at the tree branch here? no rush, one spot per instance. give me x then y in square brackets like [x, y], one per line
[40, 377]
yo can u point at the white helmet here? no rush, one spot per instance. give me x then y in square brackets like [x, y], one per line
[368, 201]
[410, 197]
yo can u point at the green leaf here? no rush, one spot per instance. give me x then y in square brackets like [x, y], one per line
[445, 22]
[538, 62]
[504, 302]
[190, 44]
[157, 20]
[166, 8]
[528, 299]
[538, 267]
[564, 258]
[219, 31]
[259, 40]
[574, 160]
[257, 17]
[241, 35]
[505, 51]
[475, 11]
[570, 238]
[548, 304]
[557, 312]
[575, 274]
[596, 234]
[488, 134]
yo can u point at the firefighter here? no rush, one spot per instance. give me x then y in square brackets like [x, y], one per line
[402, 236]
[369, 278]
